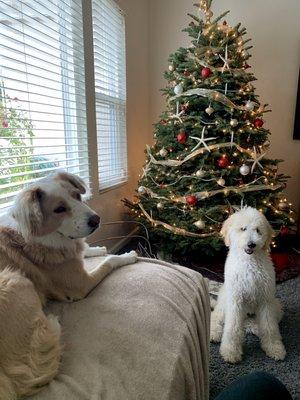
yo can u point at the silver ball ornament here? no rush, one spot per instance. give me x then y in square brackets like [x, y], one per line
[142, 190]
[178, 89]
[200, 173]
[160, 206]
[163, 152]
[171, 68]
[244, 170]
[250, 105]
[200, 224]
[234, 122]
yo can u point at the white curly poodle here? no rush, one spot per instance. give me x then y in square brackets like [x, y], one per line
[249, 288]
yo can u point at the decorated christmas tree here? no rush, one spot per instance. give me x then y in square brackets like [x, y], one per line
[211, 144]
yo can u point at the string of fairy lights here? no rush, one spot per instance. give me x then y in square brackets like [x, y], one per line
[268, 181]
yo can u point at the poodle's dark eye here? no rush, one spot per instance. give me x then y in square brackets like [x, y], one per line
[60, 209]
[258, 231]
[243, 229]
[78, 196]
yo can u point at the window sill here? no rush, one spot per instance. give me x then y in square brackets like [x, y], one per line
[114, 187]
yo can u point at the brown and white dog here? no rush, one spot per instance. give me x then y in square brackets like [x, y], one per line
[41, 257]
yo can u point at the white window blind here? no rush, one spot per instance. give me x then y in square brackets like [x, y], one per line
[110, 89]
[42, 92]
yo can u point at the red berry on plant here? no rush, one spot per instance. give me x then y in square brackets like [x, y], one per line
[5, 124]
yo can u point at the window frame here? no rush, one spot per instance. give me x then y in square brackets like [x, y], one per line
[91, 101]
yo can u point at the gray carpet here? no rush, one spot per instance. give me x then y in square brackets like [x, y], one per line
[288, 371]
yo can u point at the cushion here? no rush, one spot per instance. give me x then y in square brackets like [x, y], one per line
[143, 333]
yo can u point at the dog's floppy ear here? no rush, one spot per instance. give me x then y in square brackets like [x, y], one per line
[74, 180]
[225, 230]
[28, 212]
[270, 234]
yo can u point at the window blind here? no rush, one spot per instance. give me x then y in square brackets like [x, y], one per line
[42, 92]
[110, 88]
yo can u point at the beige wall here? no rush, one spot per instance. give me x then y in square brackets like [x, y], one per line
[275, 30]
[138, 122]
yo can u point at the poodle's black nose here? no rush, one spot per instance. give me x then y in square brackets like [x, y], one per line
[94, 221]
[251, 245]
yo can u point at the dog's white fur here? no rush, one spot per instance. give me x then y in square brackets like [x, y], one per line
[249, 288]
[41, 256]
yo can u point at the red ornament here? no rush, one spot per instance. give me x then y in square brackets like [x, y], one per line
[184, 107]
[186, 73]
[284, 230]
[162, 185]
[182, 137]
[224, 23]
[206, 72]
[223, 162]
[246, 66]
[191, 200]
[163, 122]
[258, 123]
[5, 124]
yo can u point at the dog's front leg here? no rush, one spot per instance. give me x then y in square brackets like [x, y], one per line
[232, 341]
[94, 251]
[106, 267]
[271, 342]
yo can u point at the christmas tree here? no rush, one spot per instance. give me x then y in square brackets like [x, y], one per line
[210, 151]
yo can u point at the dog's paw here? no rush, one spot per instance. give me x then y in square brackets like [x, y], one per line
[130, 257]
[215, 335]
[54, 324]
[275, 350]
[231, 354]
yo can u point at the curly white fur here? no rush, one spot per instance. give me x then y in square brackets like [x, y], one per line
[249, 288]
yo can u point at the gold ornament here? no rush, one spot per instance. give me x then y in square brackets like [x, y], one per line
[282, 205]
[200, 173]
[221, 182]
[234, 122]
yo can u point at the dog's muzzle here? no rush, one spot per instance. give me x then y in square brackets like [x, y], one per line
[94, 222]
[250, 248]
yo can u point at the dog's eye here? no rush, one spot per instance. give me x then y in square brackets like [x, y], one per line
[243, 229]
[60, 209]
[258, 231]
[78, 196]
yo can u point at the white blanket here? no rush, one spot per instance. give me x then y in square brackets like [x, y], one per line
[143, 333]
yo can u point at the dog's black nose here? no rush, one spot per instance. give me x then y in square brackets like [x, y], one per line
[94, 221]
[251, 245]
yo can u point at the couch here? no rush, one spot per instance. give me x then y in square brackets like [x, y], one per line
[143, 333]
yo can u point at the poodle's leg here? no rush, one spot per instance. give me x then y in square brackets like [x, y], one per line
[217, 318]
[278, 309]
[232, 341]
[216, 324]
[271, 342]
